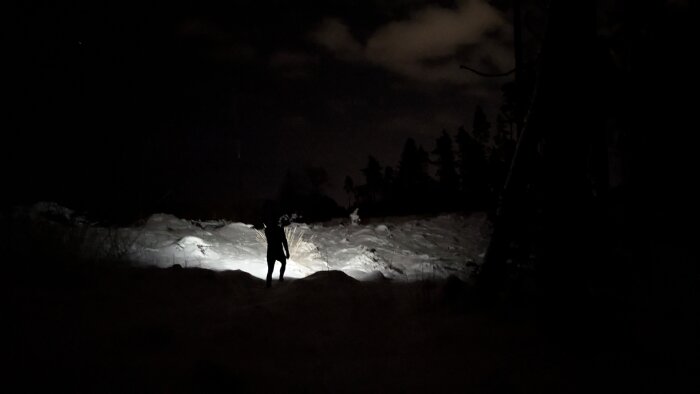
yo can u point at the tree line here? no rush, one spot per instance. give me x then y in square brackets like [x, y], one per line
[461, 172]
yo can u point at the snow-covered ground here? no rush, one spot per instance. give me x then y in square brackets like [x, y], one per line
[396, 248]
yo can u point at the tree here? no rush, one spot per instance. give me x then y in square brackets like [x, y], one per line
[500, 156]
[373, 179]
[446, 167]
[318, 177]
[412, 166]
[302, 193]
[389, 176]
[414, 185]
[553, 156]
[389, 186]
[409, 165]
[481, 126]
[472, 169]
[349, 187]
[423, 164]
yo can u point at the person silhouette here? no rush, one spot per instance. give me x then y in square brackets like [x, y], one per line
[277, 249]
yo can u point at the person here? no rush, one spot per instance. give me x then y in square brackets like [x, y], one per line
[277, 249]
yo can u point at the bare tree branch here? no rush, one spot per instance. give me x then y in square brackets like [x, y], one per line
[483, 74]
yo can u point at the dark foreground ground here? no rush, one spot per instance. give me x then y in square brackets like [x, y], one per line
[109, 328]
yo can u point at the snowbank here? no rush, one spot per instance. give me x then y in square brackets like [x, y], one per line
[395, 248]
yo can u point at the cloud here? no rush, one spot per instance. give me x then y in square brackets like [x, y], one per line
[334, 35]
[431, 44]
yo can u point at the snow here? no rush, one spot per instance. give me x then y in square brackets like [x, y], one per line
[404, 249]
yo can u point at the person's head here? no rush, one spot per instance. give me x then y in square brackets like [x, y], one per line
[284, 221]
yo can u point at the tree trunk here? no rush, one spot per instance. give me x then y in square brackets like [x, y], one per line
[552, 158]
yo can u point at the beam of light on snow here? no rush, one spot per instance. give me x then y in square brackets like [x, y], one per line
[399, 248]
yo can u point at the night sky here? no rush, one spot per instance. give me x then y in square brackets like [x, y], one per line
[201, 108]
[136, 104]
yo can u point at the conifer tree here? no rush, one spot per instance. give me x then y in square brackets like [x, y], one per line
[446, 166]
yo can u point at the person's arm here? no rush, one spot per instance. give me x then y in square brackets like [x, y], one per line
[284, 242]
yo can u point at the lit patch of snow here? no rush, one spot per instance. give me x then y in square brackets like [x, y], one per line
[397, 248]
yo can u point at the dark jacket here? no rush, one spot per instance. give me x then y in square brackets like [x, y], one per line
[276, 242]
